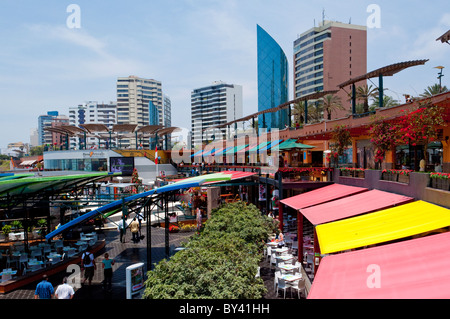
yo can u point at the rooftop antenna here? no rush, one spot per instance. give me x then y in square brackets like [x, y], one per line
[350, 20]
[323, 16]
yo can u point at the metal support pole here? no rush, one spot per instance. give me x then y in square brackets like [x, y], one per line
[380, 91]
[353, 99]
[166, 221]
[306, 112]
[148, 220]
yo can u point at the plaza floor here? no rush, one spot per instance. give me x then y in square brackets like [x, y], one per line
[126, 254]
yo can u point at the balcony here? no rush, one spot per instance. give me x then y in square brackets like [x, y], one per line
[430, 187]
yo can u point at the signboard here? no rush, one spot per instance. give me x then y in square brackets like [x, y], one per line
[124, 165]
[135, 279]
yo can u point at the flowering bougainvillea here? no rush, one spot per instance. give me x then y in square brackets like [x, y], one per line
[440, 175]
[404, 172]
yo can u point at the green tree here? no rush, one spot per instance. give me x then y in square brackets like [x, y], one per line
[331, 103]
[298, 111]
[433, 90]
[218, 263]
[388, 101]
[365, 93]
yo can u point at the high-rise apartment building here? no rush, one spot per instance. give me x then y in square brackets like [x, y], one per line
[133, 97]
[214, 105]
[92, 112]
[273, 81]
[326, 56]
[44, 121]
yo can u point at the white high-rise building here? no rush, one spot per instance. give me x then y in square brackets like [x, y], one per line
[92, 113]
[133, 97]
[214, 105]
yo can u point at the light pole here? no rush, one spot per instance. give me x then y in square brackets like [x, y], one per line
[440, 75]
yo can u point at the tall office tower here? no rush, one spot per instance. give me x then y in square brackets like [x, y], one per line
[92, 112]
[327, 55]
[214, 105]
[273, 82]
[133, 97]
[167, 112]
[45, 121]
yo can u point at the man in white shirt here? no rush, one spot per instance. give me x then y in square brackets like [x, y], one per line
[64, 291]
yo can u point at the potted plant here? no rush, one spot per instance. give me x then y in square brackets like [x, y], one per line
[5, 231]
[16, 224]
[42, 224]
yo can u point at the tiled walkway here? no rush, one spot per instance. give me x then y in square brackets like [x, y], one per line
[126, 254]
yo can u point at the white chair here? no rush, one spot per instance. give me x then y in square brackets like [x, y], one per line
[37, 254]
[309, 262]
[300, 287]
[71, 252]
[23, 260]
[12, 261]
[258, 274]
[269, 253]
[275, 280]
[47, 249]
[283, 285]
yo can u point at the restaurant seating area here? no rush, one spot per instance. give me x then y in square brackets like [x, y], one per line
[17, 261]
[287, 274]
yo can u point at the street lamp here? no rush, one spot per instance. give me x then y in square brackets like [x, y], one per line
[440, 76]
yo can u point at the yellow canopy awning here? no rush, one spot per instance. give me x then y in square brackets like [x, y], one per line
[382, 226]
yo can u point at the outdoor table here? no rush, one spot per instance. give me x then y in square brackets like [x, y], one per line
[291, 278]
[280, 250]
[35, 264]
[7, 274]
[288, 268]
[285, 258]
[272, 243]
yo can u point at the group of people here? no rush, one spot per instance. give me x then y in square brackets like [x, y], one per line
[135, 227]
[45, 290]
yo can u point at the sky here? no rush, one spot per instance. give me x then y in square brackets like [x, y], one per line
[53, 57]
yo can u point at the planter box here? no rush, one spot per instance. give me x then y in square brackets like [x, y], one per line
[403, 179]
[440, 183]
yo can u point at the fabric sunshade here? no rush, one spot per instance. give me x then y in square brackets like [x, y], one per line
[236, 149]
[350, 206]
[321, 195]
[412, 269]
[271, 145]
[259, 147]
[292, 144]
[382, 226]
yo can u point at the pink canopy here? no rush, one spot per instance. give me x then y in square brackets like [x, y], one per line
[361, 203]
[321, 195]
[412, 269]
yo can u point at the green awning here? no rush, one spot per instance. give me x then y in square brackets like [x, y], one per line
[260, 146]
[291, 144]
[235, 149]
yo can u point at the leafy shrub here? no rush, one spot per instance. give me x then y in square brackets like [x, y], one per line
[220, 262]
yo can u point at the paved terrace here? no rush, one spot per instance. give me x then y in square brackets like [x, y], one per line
[126, 254]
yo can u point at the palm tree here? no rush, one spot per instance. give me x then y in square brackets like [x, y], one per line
[433, 90]
[330, 103]
[364, 93]
[388, 101]
[298, 111]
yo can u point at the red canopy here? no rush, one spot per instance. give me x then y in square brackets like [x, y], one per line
[361, 203]
[321, 195]
[412, 269]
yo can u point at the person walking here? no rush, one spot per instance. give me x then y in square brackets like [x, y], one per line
[88, 263]
[122, 228]
[140, 218]
[64, 291]
[134, 227]
[44, 289]
[107, 264]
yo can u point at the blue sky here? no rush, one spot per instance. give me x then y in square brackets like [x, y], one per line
[187, 44]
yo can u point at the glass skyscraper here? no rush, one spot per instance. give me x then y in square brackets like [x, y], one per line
[273, 85]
